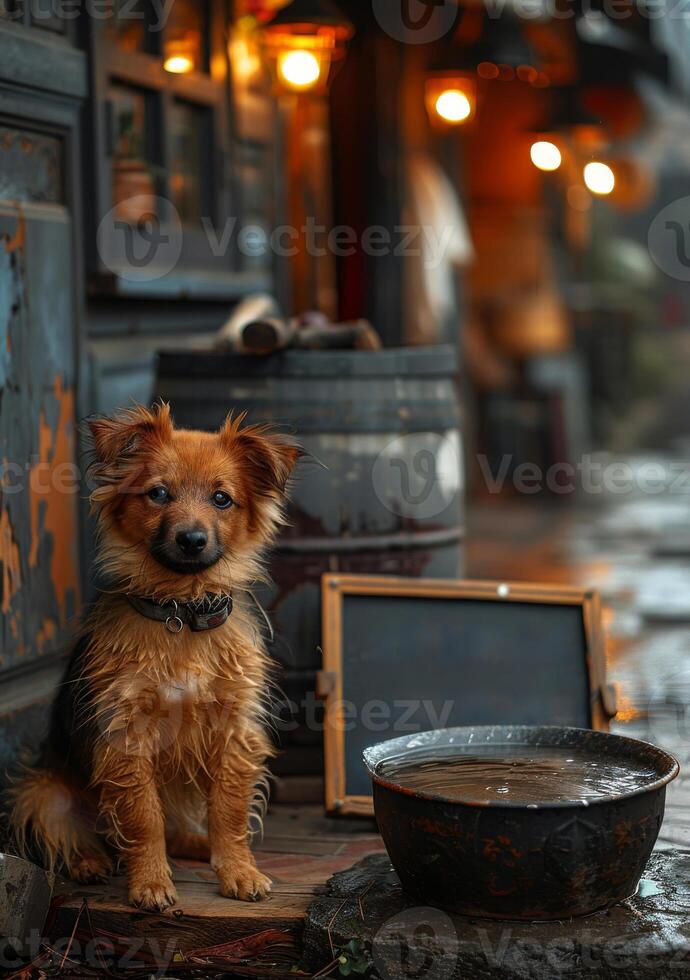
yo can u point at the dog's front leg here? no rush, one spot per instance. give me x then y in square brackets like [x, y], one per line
[131, 803]
[237, 768]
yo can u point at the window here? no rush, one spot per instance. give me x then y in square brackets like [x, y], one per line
[47, 15]
[134, 169]
[161, 105]
[128, 26]
[190, 132]
[31, 166]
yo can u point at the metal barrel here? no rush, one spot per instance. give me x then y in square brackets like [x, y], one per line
[380, 491]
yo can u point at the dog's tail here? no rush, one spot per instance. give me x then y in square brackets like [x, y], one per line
[49, 821]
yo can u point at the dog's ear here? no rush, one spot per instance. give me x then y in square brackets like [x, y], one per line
[121, 435]
[269, 458]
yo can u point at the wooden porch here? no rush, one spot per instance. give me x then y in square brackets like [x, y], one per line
[301, 849]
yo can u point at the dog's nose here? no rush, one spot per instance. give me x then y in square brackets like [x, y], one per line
[191, 542]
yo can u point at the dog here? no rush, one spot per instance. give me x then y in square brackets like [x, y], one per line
[158, 742]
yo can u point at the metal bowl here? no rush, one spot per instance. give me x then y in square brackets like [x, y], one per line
[510, 861]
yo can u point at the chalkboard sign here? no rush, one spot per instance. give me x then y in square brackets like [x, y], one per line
[407, 655]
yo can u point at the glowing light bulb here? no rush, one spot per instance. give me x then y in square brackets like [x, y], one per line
[299, 69]
[453, 106]
[545, 155]
[178, 64]
[599, 178]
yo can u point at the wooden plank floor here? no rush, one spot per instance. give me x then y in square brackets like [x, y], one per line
[300, 851]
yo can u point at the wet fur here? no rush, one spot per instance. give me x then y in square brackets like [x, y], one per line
[157, 741]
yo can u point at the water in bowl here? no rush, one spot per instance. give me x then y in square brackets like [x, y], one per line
[525, 775]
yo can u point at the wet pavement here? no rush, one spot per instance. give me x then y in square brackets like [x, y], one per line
[629, 539]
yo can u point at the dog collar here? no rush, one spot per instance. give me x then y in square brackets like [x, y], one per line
[205, 614]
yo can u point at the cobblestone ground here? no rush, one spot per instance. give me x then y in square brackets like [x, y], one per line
[630, 540]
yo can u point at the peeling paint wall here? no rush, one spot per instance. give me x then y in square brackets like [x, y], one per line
[39, 490]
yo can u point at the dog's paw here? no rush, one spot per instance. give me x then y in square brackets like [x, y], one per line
[153, 896]
[90, 867]
[243, 880]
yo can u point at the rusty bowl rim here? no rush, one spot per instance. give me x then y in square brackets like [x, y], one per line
[661, 755]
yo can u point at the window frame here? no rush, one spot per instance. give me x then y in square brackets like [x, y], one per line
[198, 272]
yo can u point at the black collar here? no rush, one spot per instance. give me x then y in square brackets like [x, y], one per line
[205, 614]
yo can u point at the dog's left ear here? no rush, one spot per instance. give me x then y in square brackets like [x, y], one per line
[269, 457]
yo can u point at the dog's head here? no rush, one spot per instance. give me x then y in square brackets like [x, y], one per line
[183, 512]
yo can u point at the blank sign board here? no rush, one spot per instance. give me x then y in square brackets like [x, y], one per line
[401, 656]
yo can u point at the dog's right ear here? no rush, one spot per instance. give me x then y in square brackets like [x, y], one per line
[121, 435]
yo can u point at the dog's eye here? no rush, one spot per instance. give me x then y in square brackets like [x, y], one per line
[158, 494]
[222, 500]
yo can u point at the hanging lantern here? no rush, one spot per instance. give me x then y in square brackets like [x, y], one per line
[545, 154]
[303, 43]
[451, 98]
[548, 146]
[599, 178]
[180, 53]
[450, 91]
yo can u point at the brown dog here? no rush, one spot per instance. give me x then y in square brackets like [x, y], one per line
[158, 729]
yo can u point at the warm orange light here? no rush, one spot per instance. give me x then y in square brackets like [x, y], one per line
[299, 69]
[453, 106]
[450, 98]
[545, 155]
[244, 56]
[599, 178]
[178, 64]
[304, 45]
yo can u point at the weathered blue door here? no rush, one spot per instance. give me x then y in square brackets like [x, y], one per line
[39, 488]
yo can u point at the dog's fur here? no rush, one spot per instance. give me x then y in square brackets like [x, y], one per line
[157, 735]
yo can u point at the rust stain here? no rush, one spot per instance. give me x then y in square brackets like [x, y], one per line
[11, 564]
[17, 242]
[53, 507]
[46, 633]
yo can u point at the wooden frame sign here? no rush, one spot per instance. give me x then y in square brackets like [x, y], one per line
[409, 655]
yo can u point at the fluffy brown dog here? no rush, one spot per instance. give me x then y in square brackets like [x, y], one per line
[158, 729]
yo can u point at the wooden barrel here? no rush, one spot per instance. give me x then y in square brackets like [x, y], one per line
[382, 492]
